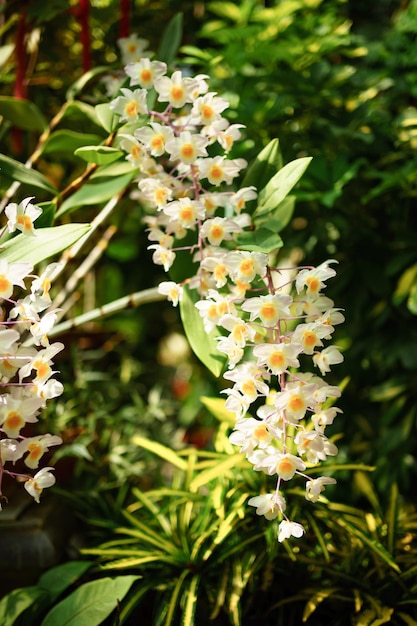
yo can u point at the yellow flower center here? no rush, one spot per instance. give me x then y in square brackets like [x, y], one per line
[35, 451]
[261, 432]
[157, 142]
[285, 465]
[268, 311]
[246, 267]
[313, 284]
[187, 151]
[309, 339]
[131, 109]
[13, 421]
[5, 284]
[186, 213]
[146, 75]
[277, 359]
[207, 113]
[177, 93]
[216, 173]
[41, 368]
[296, 403]
[217, 232]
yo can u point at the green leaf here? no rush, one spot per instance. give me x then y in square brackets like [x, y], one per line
[375, 546]
[263, 168]
[171, 39]
[95, 193]
[48, 214]
[101, 155]
[46, 243]
[202, 343]
[316, 599]
[5, 52]
[107, 119]
[68, 141]
[59, 578]
[259, 240]
[78, 110]
[16, 602]
[190, 606]
[205, 476]
[14, 170]
[216, 406]
[90, 604]
[160, 450]
[22, 113]
[77, 87]
[278, 219]
[280, 185]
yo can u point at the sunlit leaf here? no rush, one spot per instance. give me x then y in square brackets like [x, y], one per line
[316, 599]
[46, 243]
[280, 185]
[216, 406]
[107, 117]
[160, 450]
[101, 155]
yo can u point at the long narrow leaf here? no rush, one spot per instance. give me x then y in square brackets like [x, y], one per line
[16, 171]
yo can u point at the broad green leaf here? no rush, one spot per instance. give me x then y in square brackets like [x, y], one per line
[108, 120]
[280, 185]
[95, 193]
[16, 602]
[78, 110]
[59, 578]
[278, 219]
[78, 86]
[118, 168]
[171, 39]
[68, 141]
[264, 167]
[48, 215]
[22, 113]
[160, 450]
[16, 171]
[101, 155]
[46, 243]
[202, 343]
[259, 240]
[90, 604]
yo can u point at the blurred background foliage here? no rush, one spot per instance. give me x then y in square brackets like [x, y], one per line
[332, 79]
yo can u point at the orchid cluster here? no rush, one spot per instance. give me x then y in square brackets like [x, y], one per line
[26, 361]
[267, 330]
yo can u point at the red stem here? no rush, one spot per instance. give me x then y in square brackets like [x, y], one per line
[124, 26]
[84, 18]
